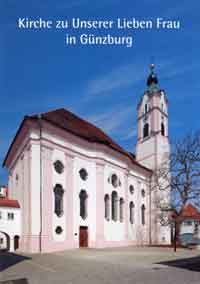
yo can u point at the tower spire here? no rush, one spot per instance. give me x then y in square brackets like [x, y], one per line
[152, 81]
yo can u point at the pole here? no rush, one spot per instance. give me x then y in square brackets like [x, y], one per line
[175, 234]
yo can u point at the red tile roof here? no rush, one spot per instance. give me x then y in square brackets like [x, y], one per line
[190, 212]
[5, 202]
[79, 127]
[68, 121]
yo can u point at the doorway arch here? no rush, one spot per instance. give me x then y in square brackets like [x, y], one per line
[6, 239]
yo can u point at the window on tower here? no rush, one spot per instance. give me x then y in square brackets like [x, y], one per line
[162, 129]
[146, 130]
[146, 108]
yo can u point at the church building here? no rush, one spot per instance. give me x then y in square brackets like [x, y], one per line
[76, 187]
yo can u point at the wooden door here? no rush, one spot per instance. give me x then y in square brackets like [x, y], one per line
[83, 237]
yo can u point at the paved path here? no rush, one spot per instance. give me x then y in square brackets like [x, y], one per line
[111, 266]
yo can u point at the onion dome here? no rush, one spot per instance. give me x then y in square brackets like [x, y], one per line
[152, 80]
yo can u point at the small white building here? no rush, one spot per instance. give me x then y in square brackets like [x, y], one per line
[10, 218]
[189, 230]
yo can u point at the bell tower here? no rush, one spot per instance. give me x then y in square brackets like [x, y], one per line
[152, 142]
[153, 149]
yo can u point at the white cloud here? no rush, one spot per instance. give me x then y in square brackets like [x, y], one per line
[126, 75]
[112, 121]
[116, 121]
[121, 76]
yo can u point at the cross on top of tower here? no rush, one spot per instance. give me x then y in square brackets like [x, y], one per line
[152, 66]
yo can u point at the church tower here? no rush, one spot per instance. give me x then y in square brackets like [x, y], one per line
[152, 143]
[153, 149]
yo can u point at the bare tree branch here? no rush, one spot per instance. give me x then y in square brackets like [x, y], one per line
[180, 172]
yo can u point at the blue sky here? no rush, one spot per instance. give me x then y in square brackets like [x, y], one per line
[38, 72]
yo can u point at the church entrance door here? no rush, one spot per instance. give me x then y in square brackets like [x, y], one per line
[83, 237]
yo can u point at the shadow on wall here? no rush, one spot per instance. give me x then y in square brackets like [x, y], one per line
[8, 259]
[192, 264]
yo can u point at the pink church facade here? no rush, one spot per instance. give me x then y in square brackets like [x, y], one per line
[78, 188]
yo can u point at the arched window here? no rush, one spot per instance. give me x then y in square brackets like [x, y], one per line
[83, 204]
[121, 209]
[131, 189]
[146, 130]
[146, 108]
[83, 174]
[131, 208]
[107, 207]
[114, 206]
[162, 129]
[143, 214]
[143, 193]
[114, 180]
[58, 205]
[59, 167]
[58, 230]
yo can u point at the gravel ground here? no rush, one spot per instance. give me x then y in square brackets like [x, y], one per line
[121, 265]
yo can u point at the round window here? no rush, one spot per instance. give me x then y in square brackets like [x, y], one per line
[83, 174]
[58, 230]
[131, 189]
[59, 167]
[114, 180]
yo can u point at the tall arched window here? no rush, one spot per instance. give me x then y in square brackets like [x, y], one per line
[146, 108]
[143, 214]
[83, 204]
[58, 205]
[162, 129]
[131, 208]
[114, 206]
[146, 130]
[107, 207]
[121, 209]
